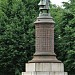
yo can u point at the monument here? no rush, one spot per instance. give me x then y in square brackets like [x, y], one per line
[44, 61]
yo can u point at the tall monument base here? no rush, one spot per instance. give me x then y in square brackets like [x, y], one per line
[44, 61]
[44, 69]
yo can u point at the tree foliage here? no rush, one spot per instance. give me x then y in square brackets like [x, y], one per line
[65, 34]
[16, 34]
[17, 31]
[68, 35]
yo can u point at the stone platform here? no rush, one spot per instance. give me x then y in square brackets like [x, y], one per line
[44, 73]
[44, 69]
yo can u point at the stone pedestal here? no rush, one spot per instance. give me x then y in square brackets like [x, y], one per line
[44, 61]
[44, 69]
[44, 41]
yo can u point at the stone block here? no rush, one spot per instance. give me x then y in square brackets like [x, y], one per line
[26, 73]
[39, 67]
[44, 67]
[57, 67]
[30, 67]
[58, 73]
[44, 73]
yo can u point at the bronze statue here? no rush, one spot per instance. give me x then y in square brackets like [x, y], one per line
[44, 7]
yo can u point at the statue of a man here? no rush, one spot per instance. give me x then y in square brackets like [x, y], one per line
[44, 7]
[44, 4]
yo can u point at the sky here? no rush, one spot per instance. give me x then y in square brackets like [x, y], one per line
[58, 2]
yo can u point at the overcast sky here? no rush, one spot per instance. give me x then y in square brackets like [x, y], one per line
[58, 2]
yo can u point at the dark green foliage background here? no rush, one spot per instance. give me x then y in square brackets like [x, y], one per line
[17, 34]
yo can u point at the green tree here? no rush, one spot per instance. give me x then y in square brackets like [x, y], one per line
[68, 36]
[65, 33]
[16, 34]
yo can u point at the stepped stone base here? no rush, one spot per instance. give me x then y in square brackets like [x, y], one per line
[44, 69]
[44, 73]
